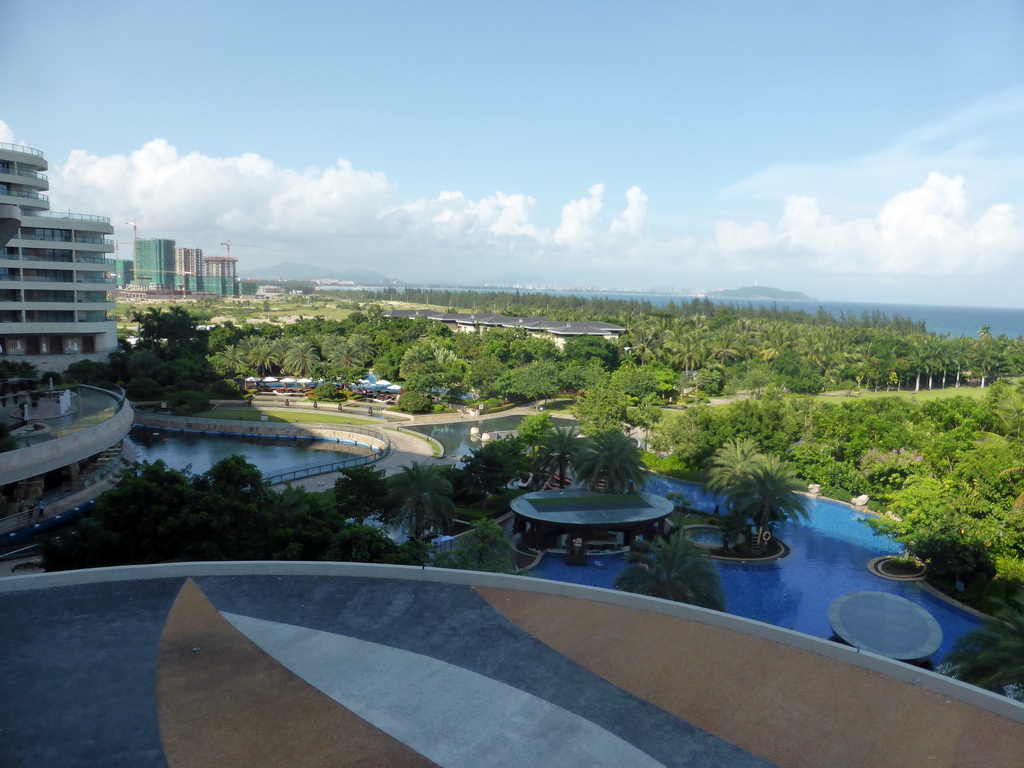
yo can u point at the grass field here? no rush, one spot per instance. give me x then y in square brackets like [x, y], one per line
[935, 394]
[319, 416]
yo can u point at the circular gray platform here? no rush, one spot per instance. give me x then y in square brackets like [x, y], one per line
[885, 624]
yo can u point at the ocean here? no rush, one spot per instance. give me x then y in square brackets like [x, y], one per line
[952, 321]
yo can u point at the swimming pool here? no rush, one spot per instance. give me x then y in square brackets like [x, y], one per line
[829, 558]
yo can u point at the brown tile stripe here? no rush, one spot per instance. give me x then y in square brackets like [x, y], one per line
[792, 707]
[230, 704]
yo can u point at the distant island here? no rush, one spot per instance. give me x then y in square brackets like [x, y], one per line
[760, 292]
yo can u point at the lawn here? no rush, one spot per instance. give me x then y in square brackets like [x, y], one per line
[935, 394]
[286, 417]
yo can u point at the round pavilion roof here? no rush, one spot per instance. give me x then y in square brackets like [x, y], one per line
[575, 507]
[885, 624]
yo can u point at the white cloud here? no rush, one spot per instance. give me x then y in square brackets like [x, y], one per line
[578, 218]
[222, 197]
[6, 133]
[981, 142]
[342, 217]
[924, 231]
[632, 219]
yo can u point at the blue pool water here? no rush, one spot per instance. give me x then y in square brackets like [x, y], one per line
[829, 558]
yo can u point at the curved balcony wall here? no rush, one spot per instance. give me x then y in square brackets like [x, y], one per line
[85, 436]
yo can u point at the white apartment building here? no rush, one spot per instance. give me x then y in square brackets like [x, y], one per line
[54, 273]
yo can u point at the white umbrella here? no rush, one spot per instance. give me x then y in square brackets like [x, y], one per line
[305, 381]
[270, 378]
[287, 380]
[251, 378]
[395, 388]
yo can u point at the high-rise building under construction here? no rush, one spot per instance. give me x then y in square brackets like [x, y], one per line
[154, 264]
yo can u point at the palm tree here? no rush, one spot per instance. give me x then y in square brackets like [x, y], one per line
[300, 357]
[767, 495]
[333, 349]
[231, 359]
[558, 450]
[420, 498]
[992, 656]
[734, 460]
[673, 568]
[278, 351]
[360, 347]
[1010, 412]
[612, 462]
[257, 352]
[415, 357]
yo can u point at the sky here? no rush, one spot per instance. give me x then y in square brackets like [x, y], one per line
[867, 151]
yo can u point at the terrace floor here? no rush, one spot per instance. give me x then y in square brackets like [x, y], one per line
[269, 665]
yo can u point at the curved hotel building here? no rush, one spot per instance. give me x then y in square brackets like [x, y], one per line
[54, 272]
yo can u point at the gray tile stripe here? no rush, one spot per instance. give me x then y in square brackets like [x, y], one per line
[455, 717]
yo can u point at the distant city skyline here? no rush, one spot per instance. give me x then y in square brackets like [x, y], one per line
[861, 152]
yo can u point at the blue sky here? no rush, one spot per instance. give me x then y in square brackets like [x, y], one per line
[857, 151]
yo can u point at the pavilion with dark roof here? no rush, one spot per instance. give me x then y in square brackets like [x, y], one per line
[586, 522]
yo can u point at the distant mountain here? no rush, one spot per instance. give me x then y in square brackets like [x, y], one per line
[292, 270]
[760, 292]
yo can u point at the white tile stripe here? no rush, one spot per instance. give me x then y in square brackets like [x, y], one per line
[455, 717]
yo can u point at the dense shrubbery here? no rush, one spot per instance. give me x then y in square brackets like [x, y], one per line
[156, 514]
[949, 480]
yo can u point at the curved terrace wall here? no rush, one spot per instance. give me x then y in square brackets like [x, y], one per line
[790, 698]
[75, 443]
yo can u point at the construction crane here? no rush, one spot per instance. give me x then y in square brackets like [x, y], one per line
[239, 245]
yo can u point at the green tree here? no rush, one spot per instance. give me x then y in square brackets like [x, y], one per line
[673, 568]
[734, 460]
[534, 429]
[483, 548]
[369, 544]
[612, 462]
[489, 468]
[600, 408]
[156, 514]
[767, 495]
[419, 498]
[359, 492]
[537, 380]
[558, 451]
[992, 656]
[300, 357]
